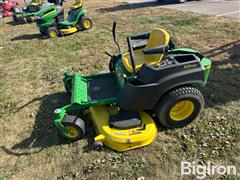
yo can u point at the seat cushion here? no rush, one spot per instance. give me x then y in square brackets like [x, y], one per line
[157, 37]
[139, 59]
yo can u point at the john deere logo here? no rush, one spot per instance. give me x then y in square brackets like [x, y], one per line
[190, 66]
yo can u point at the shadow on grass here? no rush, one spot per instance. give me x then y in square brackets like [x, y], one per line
[223, 85]
[44, 133]
[37, 36]
[12, 23]
[138, 5]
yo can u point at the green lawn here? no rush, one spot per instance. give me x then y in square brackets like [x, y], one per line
[31, 71]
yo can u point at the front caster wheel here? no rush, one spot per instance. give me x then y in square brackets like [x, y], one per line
[179, 107]
[98, 145]
[75, 127]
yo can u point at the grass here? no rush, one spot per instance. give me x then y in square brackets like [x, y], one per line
[31, 70]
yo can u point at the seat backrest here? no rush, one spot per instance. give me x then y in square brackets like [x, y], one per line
[76, 4]
[37, 1]
[157, 37]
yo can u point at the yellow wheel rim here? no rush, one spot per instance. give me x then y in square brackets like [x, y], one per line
[53, 34]
[73, 132]
[87, 24]
[181, 110]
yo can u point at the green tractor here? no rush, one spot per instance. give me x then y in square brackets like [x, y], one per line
[50, 20]
[27, 13]
[152, 80]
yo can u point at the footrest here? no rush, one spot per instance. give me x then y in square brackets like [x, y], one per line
[125, 120]
[79, 94]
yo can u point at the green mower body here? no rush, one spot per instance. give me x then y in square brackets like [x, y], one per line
[168, 90]
[121, 87]
[51, 19]
[27, 13]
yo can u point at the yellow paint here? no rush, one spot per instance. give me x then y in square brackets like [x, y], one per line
[207, 67]
[72, 132]
[119, 139]
[53, 34]
[35, 4]
[181, 110]
[76, 4]
[87, 24]
[124, 75]
[157, 37]
[37, 1]
[69, 31]
[49, 13]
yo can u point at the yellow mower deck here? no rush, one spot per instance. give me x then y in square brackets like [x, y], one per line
[69, 31]
[122, 139]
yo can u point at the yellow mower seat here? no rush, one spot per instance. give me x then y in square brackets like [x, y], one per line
[77, 4]
[157, 37]
[36, 2]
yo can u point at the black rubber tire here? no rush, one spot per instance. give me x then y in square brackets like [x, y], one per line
[162, 110]
[52, 29]
[30, 20]
[15, 19]
[43, 31]
[97, 145]
[81, 24]
[15, 10]
[76, 123]
[24, 20]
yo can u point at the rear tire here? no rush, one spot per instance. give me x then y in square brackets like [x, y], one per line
[24, 20]
[15, 19]
[15, 10]
[43, 31]
[85, 23]
[76, 127]
[179, 107]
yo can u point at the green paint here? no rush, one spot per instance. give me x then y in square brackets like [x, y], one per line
[79, 85]
[48, 14]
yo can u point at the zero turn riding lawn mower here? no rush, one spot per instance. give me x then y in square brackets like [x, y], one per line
[152, 80]
[7, 7]
[50, 20]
